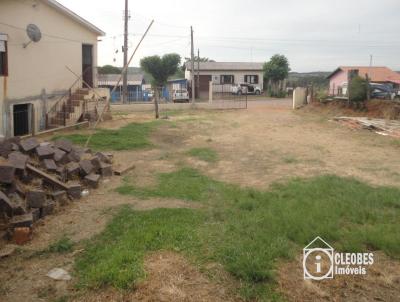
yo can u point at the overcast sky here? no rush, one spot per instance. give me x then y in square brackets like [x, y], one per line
[313, 34]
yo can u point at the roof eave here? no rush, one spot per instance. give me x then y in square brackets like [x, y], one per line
[334, 72]
[69, 13]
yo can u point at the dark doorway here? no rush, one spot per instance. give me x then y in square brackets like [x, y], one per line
[87, 65]
[204, 86]
[21, 119]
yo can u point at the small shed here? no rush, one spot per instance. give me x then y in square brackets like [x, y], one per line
[175, 84]
[135, 83]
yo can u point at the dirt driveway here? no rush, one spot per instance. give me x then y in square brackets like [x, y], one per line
[257, 147]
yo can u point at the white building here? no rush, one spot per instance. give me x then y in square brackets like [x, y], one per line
[225, 74]
[33, 75]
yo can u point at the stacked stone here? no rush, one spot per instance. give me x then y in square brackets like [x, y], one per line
[36, 178]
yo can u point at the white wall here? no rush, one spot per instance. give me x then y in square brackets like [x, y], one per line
[40, 66]
[239, 76]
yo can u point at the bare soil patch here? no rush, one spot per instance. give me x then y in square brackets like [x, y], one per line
[382, 283]
[374, 109]
[171, 278]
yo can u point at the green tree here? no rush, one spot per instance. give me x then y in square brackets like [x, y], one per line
[196, 59]
[160, 69]
[202, 59]
[109, 69]
[275, 71]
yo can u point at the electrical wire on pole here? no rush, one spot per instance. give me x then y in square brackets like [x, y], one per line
[192, 67]
[125, 75]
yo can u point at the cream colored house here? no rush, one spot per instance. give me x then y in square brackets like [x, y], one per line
[33, 75]
[224, 74]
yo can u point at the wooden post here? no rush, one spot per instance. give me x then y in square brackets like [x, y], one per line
[210, 92]
[192, 67]
[64, 110]
[348, 87]
[156, 95]
[198, 73]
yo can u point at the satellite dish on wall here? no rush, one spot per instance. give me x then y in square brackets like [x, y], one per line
[34, 34]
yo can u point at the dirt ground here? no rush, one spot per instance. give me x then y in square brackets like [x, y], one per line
[257, 147]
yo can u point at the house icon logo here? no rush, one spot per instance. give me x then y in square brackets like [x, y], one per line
[318, 259]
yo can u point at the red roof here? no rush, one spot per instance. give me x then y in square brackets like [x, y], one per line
[376, 74]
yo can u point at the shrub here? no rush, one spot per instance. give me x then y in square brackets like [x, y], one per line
[277, 94]
[321, 95]
[358, 89]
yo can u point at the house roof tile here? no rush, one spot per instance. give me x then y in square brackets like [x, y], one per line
[376, 74]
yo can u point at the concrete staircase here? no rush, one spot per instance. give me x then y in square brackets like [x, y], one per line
[68, 111]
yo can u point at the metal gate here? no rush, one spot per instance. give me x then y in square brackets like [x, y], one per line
[224, 98]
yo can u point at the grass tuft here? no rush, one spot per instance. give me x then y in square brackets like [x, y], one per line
[64, 245]
[132, 136]
[205, 154]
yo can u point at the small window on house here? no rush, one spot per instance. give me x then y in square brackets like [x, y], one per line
[3, 55]
[227, 79]
[251, 79]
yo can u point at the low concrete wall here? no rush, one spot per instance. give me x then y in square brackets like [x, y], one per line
[299, 97]
[216, 104]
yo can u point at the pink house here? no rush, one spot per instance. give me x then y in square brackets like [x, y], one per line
[382, 75]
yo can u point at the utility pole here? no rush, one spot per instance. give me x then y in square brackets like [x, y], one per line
[125, 75]
[371, 57]
[198, 72]
[192, 67]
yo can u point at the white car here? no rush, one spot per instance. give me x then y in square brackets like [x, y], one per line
[180, 96]
[240, 89]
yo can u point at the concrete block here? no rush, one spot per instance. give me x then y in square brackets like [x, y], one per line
[75, 190]
[18, 204]
[92, 180]
[64, 145]
[106, 170]
[18, 160]
[59, 156]
[47, 209]
[6, 147]
[22, 221]
[104, 157]
[36, 198]
[96, 163]
[35, 214]
[29, 144]
[72, 170]
[14, 147]
[86, 167]
[60, 197]
[50, 165]
[45, 152]
[6, 205]
[7, 172]
[74, 156]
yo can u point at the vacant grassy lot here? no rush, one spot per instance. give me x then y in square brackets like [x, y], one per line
[244, 229]
[219, 208]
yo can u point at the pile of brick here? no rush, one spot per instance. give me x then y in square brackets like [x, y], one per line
[36, 178]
